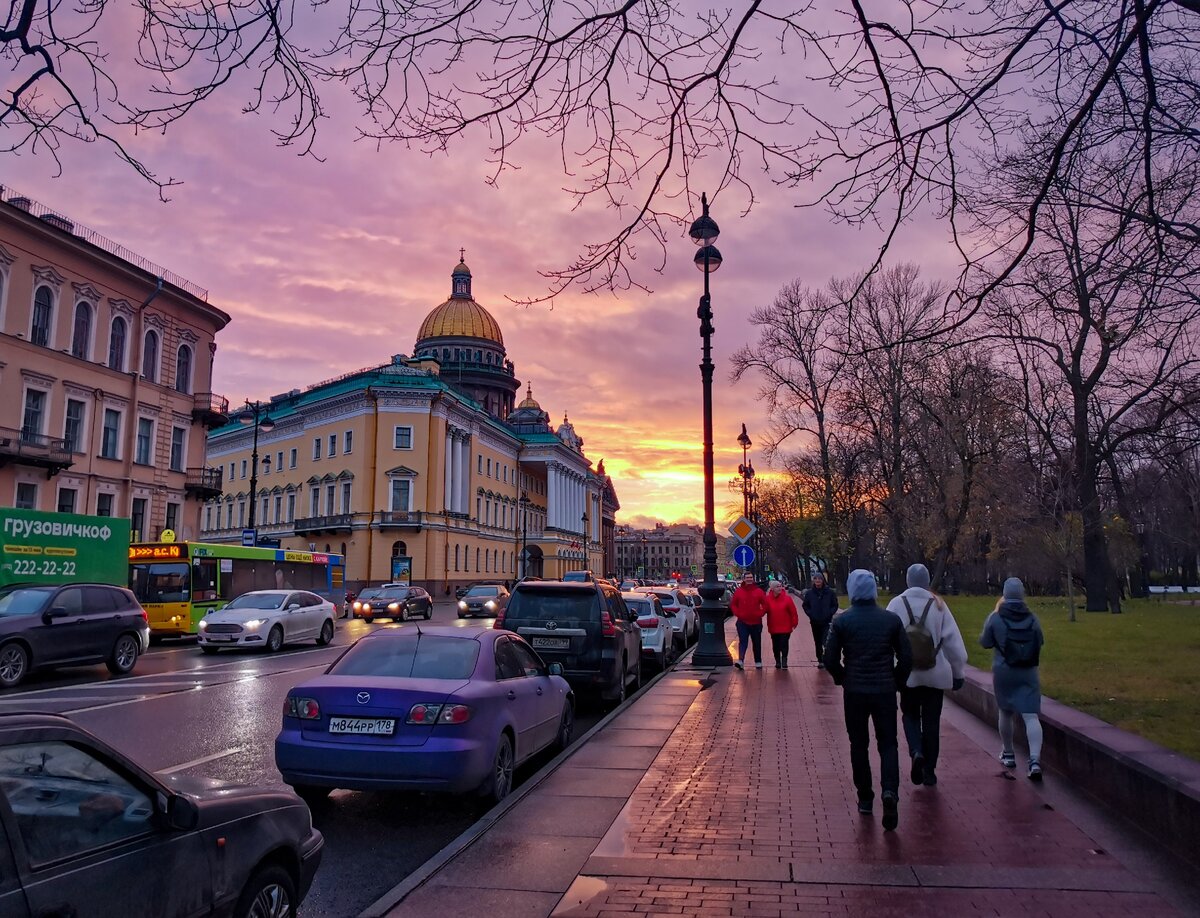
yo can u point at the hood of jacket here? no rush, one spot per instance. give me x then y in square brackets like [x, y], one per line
[1016, 614]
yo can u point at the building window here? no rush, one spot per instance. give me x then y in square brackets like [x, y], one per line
[262, 511]
[316, 448]
[145, 439]
[229, 514]
[292, 459]
[279, 461]
[81, 336]
[329, 493]
[208, 514]
[278, 508]
[456, 547]
[110, 437]
[479, 509]
[291, 507]
[241, 514]
[177, 438]
[403, 438]
[66, 500]
[332, 445]
[104, 504]
[43, 317]
[35, 414]
[116, 344]
[314, 497]
[183, 369]
[26, 496]
[477, 560]
[346, 487]
[73, 426]
[232, 469]
[172, 516]
[402, 495]
[348, 442]
[243, 468]
[150, 356]
[479, 463]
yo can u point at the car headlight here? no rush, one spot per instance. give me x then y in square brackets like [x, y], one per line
[254, 624]
[490, 604]
[393, 607]
[357, 605]
[366, 607]
[461, 604]
[203, 626]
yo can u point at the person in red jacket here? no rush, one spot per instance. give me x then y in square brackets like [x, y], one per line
[782, 619]
[748, 609]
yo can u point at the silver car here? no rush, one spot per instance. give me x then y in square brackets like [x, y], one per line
[268, 619]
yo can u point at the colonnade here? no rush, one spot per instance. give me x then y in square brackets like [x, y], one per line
[458, 470]
[567, 493]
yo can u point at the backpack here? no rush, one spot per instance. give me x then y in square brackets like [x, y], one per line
[924, 650]
[1020, 648]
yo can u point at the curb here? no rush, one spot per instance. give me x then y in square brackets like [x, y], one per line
[419, 877]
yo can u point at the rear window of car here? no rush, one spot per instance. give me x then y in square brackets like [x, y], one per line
[642, 607]
[550, 603]
[666, 598]
[416, 656]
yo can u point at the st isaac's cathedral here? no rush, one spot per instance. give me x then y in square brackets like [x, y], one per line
[423, 469]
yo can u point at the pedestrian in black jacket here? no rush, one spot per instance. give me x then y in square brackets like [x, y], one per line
[868, 655]
[820, 605]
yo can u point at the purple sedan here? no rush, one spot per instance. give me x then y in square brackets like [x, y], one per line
[424, 708]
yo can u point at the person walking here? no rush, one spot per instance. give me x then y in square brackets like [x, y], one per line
[782, 619]
[939, 656]
[868, 655]
[1014, 635]
[748, 609]
[820, 605]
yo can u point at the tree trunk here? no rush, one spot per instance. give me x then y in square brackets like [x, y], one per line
[1095, 546]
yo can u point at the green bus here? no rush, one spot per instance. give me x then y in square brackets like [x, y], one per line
[178, 583]
[38, 546]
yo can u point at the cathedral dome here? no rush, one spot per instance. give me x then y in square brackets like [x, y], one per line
[460, 316]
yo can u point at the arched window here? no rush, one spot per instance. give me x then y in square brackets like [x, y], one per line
[486, 560]
[81, 337]
[43, 317]
[399, 549]
[343, 551]
[183, 369]
[116, 344]
[456, 557]
[477, 560]
[150, 357]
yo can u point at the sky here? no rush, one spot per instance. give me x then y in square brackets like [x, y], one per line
[329, 264]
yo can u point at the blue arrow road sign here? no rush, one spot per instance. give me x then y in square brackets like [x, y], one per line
[743, 556]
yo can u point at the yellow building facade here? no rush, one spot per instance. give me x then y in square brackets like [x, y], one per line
[422, 469]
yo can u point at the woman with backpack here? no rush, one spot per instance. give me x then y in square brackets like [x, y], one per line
[1014, 635]
[939, 656]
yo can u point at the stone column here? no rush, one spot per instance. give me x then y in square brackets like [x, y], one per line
[551, 495]
[449, 500]
[464, 490]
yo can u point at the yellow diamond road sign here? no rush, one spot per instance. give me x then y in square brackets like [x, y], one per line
[743, 529]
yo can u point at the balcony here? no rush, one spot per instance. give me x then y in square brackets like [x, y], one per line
[23, 448]
[399, 519]
[210, 410]
[341, 522]
[204, 483]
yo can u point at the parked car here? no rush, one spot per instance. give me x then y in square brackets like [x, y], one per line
[268, 619]
[683, 618]
[399, 603]
[71, 624]
[584, 626]
[84, 830]
[658, 640]
[483, 599]
[437, 709]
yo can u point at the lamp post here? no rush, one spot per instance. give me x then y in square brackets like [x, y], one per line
[584, 541]
[645, 558]
[255, 413]
[746, 470]
[524, 502]
[710, 649]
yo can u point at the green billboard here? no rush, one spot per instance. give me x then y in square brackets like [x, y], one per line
[42, 547]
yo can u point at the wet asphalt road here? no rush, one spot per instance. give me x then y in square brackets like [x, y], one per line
[182, 711]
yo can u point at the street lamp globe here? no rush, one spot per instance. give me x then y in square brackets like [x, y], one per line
[266, 425]
[708, 259]
[704, 230]
[246, 418]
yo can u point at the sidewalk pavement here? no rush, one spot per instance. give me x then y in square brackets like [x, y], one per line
[727, 793]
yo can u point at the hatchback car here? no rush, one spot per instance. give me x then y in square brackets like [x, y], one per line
[424, 708]
[71, 624]
[658, 640]
[399, 603]
[584, 626]
[86, 831]
[684, 621]
[268, 619]
[483, 599]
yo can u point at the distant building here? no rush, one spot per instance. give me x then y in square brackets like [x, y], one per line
[105, 377]
[422, 468]
[660, 552]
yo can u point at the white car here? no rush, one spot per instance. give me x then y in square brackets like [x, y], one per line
[268, 619]
[658, 640]
[683, 618]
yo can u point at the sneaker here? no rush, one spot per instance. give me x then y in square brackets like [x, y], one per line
[918, 769]
[1035, 771]
[758, 665]
[891, 815]
[738, 664]
[1008, 760]
[929, 778]
[783, 665]
[864, 807]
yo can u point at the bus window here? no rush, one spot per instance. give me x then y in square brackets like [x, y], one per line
[204, 579]
[161, 582]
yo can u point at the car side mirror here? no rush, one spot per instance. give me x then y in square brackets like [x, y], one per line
[53, 613]
[293, 607]
[555, 669]
[182, 813]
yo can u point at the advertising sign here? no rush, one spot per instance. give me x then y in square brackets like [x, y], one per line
[42, 547]
[401, 569]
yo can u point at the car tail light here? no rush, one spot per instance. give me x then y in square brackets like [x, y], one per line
[145, 617]
[454, 714]
[499, 620]
[607, 628]
[648, 622]
[303, 708]
[427, 713]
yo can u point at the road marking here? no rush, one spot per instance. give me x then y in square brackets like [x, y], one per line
[200, 761]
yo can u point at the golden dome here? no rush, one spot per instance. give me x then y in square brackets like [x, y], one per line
[460, 317]
[530, 401]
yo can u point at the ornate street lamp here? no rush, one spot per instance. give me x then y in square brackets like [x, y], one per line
[255, 413]
[584, 542]
[524, 503]
[710, 649]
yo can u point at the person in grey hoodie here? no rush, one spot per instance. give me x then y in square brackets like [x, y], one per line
[921, 697]
[1014, 635]
[868, 655]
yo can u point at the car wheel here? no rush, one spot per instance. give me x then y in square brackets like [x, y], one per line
[326, 634]
[429, 613]
[637, 677]
[368, 619]
[311, 794]
[566, 727]
[621, 689]
[275, 639]
[499, 781]
[124, 655]
[204, 648]
[14, 664]
[270, 893]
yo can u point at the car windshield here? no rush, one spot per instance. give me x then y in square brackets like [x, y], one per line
[560, 603]
[392, 593]
[416, 656]
[483, 591]
[24, 600]
[258, 601]
[368, 593]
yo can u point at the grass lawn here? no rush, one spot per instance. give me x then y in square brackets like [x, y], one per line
[1139, 670]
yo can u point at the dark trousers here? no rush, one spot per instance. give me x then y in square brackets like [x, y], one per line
[749, 633]
[880, 709]
[921, 712]
[779, 644]
[820, 631]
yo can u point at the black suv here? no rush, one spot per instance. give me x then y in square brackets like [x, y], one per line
[584, 626]
[69, 624]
